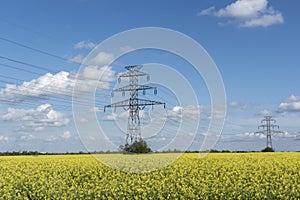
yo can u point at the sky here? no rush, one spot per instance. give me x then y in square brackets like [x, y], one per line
[253, 43]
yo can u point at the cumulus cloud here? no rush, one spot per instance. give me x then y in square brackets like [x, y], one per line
[94, 77]
[176, 113]
[60, 84]
[3, 138]
[264, 112]
[233, 104]
[95, 74]
[274, 134]
[193, 112]
[26, 136]
[95, 110]
[101, 58]
[240, 105]
[51, 138]
[120, 116]
[293, 98]
[247, 13]
[292, 104]
[289, 107]
[84, 45]
[46, 85]
[208, 11]
[76, 59]
[66, 135]
[36, 119]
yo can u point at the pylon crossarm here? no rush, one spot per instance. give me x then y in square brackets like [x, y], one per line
[274, 126]
[134, 104]
[262, 126]
[122, 104]
[134, 67]
[129, 74]
[145, 102]
[268, 119]
[268, 126]
[138, 87]
[130, 103]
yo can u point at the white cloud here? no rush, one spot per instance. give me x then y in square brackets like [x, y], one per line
[233, 104]
[175, 113]
[240, 105]
[3, 138]
[93, 76]
[263, 135]
[94, 73]
[247, 13]
[292, 104]
[95, 110]
[243, 9]
[76, 59]
[51, 138]
[289, 107]
[101, 58]
[208, 11]
[193, 112]
[121, 116]
[177, 109]
[26, 136]
[264, 21]
[36, 119]
[293, 98]
[60, 84]
[111, 117]
[66, 135]
[264, 112]
[84, 45]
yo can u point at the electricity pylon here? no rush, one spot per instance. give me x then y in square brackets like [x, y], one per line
[268, 126]
[134, 104]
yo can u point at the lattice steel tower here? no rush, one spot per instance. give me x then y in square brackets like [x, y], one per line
[268, 126]
[134, 104]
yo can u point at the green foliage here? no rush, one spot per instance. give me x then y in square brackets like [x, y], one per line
[136, 147]
[267, 149]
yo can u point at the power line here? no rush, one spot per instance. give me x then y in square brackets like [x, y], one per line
[38, 96]
[25, 63]
[34, 49]
[28, 71]
[268, 124]
[134, 104]
[41, 51]
[33, 65]
[24, 70]
[38, 67]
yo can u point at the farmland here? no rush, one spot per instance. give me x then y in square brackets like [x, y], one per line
[216, 176]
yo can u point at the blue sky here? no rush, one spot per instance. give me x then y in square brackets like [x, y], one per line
[253, 43]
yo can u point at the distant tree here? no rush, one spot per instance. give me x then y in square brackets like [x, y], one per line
[136, 147]
[267, 149]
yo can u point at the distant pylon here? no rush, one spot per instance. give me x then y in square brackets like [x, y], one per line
[134, 104]
[268, 126]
